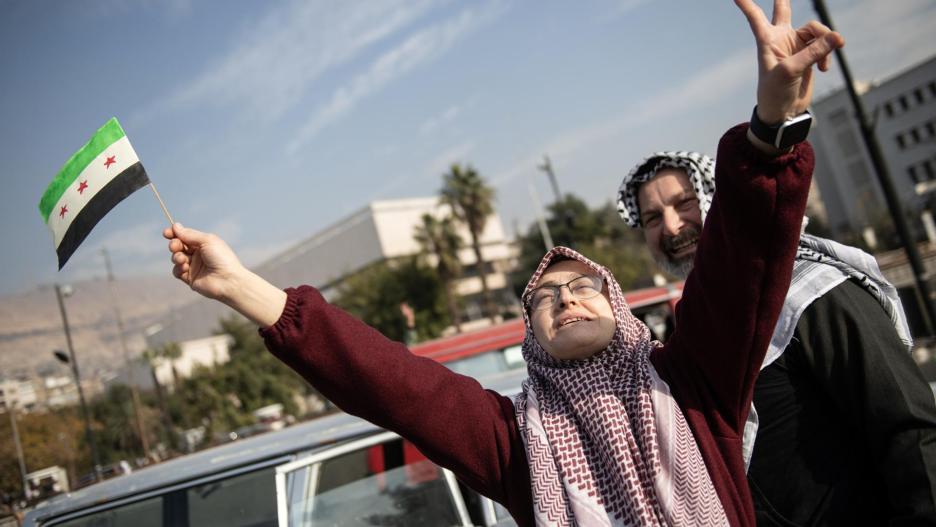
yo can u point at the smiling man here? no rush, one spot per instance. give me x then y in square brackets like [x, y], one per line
[843, 426]
[669, 212]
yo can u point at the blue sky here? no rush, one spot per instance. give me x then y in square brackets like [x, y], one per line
[268, 121]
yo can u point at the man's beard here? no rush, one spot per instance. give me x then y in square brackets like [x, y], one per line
[678, 267]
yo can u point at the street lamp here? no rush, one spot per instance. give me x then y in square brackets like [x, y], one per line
[60, 293]
[10, 408]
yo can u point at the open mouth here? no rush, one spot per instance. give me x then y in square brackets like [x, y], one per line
[571, 321]
[682, 245]
[683, 249]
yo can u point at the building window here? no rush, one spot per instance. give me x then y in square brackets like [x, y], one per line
[932, 88]
[931, 128]
[904, 105]
[928, 168]
[889, 109]
[901, 141]
[912, 172]
[918, 95]
[915, 135]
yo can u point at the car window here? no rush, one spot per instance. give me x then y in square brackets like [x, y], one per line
[514, 357]
[479, 365]
[387, 484]
[245, 500]
[146, 513]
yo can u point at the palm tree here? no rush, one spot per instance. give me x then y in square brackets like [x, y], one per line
[472, 201]
[152, 357]
[439, 238]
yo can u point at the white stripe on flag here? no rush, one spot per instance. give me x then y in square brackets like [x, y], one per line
[96, 175]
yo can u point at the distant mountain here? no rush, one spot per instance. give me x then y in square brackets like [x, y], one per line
[31, 326]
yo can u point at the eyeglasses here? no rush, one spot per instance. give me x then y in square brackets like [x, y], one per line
[582, 288]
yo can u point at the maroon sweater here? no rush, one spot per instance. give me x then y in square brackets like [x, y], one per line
[724, 322]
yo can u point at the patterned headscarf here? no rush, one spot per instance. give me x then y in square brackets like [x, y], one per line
[699, 167]
[606, 442]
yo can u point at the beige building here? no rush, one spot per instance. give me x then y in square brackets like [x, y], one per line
[383, 230]
[205, 352]
[18, 393]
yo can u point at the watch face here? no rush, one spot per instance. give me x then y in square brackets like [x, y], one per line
[793, 131]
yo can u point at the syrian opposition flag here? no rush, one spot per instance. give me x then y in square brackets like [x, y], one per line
[94, 180]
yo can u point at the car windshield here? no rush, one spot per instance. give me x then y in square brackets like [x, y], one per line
[381, 485]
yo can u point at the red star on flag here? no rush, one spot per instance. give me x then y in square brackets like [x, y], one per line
[110, 161]
[82, 186]
[63, 211]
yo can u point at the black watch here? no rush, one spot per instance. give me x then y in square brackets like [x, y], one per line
[783, 135]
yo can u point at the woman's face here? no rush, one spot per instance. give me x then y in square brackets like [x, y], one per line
[572, 328]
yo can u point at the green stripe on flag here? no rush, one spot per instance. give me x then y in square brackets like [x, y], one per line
[104, 137]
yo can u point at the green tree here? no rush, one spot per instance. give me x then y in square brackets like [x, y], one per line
[472, 201]
[152, 358]
[600, 235]
[113, 425]
[374, 295]
[53, 438]
[440, 239]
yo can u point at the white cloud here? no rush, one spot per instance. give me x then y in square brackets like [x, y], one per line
[281, 56]
[417, 49]
[136, 240]
[436, 122]
[433, 168]
[140, 242]
[229, 229]
[444, 160]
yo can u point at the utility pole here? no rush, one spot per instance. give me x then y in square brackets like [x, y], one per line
[540, 220]
[887, 185]
[561, 210]
[95, 458]
[134, 392]
[10, 408]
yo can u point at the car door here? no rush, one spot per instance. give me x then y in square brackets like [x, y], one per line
[376, 480]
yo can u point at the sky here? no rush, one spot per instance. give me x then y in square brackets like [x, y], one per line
[266, 122]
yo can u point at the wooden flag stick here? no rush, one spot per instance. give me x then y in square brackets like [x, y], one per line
[161, 204]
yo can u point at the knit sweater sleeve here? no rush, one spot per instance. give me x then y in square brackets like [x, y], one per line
[453, 420]
[733, 296]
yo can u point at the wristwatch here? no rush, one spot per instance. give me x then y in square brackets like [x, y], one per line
[785, 134]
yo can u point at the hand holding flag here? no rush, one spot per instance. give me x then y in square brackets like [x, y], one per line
[203, 261]
[208, 265]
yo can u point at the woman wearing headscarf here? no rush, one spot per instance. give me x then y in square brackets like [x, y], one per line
[611, 428]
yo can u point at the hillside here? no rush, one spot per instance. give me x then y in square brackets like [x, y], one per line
[31, 326]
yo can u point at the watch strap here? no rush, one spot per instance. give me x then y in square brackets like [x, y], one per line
[783, 135]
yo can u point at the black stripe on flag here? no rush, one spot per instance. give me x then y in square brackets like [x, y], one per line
[124, 184]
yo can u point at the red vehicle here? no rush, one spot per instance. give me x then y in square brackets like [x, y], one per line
[497, 348]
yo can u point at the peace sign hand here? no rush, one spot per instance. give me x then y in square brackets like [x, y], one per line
[785, 57]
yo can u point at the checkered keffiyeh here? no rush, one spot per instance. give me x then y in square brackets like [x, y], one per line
[699, 167]
[606, 442]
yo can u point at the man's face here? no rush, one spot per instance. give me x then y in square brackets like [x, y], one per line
[672, 221]
[572, 328]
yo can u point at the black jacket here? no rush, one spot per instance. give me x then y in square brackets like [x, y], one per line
[847, 432]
